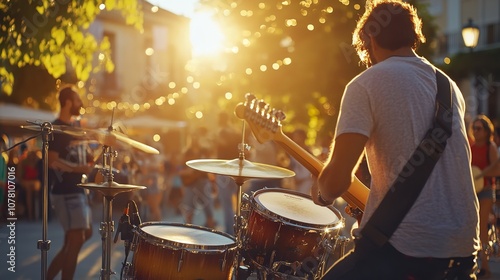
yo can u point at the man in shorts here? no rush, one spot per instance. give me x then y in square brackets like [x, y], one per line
[70, 202]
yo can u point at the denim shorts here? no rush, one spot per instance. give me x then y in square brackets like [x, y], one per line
[72, 210]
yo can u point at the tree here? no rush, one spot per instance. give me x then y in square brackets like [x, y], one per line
[45, 40]
[295, 54]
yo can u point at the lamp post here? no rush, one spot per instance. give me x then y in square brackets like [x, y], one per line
[470, 35]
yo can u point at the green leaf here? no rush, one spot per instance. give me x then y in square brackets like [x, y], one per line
[40, 10]
[58, 35]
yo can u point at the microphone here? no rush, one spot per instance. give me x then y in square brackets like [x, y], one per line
[123, 226]
[135, 219]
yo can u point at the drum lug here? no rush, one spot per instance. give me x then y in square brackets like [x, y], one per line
[271, 259]
[181, 259]
[223, 262]
[342, 241]
[277, 235]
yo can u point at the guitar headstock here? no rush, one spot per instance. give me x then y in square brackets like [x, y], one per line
[264, 121]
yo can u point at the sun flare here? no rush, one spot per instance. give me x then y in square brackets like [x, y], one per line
[206, 35]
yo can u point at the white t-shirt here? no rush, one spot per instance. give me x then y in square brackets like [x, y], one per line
[393, 104]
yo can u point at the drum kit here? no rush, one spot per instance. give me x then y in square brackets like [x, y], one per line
[279, 233]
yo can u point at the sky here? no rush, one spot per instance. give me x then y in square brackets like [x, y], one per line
[180, 7]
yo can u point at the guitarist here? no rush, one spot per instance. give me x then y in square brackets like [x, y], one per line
[385, 112]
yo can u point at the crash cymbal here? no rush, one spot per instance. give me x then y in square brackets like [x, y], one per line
[107, 137]
[74, 131]
[240, 168]
[104, 136]
[112, 189]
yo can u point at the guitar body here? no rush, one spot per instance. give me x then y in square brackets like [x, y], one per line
[267, 127]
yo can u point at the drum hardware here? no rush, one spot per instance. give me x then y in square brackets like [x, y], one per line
[109, 190]
[239, 170]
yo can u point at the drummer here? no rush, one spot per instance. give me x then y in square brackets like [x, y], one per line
[70, 203]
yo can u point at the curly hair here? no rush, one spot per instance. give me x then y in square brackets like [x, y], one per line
[392, 24]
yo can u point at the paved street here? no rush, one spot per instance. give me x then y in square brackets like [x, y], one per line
[28, 257]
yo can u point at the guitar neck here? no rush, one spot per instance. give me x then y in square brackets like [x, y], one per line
[355, 196]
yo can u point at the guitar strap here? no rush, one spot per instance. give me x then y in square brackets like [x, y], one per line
[411, 180]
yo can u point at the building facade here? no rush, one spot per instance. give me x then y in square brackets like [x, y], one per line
[477, 70]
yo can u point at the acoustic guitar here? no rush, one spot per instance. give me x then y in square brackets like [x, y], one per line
[265, 124]
[478, 183]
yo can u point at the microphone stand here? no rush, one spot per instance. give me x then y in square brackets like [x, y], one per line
[44, 244]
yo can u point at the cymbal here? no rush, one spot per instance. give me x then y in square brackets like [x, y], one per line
[240, 168]
[112, 189]
[106, 135]
[74, 131]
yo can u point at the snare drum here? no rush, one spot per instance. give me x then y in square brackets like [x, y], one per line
[286, 232]
[177, 251]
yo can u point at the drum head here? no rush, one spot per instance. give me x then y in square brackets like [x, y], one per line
[186, 236]
[296, 207]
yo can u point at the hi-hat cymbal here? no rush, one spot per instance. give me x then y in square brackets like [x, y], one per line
[240, 168]
[112, 189]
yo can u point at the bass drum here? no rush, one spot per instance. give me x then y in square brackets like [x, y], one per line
[287, 234]
[183, 252]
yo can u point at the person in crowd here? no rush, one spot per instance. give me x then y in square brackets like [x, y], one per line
[153, 179]
[4, 159]
[386, 111]
[266, 153]
[70, 202]
[227, 148]
[30, 182]
[197, 187]
[176, 192]
[484, 154]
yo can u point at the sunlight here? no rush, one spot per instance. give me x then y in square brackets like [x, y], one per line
[206, 35]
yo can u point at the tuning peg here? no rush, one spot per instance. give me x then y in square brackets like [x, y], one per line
[279, 115]
[264, 111]
[250, 97]
[261, 104]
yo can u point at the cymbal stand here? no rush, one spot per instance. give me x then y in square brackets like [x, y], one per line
[107, 226]
[241, 272]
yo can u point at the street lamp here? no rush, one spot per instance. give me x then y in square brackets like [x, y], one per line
[470, 34]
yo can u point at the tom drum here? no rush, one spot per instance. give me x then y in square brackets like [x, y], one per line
[286, 232]
[178, 251]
